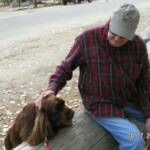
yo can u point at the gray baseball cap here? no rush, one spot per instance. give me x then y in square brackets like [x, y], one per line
[124, 21]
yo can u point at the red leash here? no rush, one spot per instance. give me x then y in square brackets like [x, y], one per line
[46, 144]
[46, 147]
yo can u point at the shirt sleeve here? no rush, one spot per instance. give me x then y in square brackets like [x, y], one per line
[144, 85]
[64, 71]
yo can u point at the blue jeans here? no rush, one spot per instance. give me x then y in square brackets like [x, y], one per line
[124, 132]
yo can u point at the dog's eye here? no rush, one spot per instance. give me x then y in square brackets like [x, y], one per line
[60, 105]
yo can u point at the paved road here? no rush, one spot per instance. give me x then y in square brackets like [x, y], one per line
[60, 16]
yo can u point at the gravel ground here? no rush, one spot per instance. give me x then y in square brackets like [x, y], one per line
[26, 65]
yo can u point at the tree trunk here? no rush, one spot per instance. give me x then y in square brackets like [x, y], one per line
[35, 3]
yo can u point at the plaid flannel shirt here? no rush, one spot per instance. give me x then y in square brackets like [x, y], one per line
[110, 77]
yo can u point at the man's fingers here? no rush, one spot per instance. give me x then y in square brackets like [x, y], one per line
[38, 103]
[147, 138]
[43, 95]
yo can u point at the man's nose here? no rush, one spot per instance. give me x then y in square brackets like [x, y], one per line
[118, 38]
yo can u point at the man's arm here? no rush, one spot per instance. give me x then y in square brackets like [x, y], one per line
[64, 71]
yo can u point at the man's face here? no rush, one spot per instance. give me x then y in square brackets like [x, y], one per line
[116, 40]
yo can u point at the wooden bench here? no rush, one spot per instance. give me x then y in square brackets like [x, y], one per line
[83, 135]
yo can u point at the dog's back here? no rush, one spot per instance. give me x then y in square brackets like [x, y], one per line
[22, 127]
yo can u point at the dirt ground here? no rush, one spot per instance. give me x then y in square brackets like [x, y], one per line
[26, 66]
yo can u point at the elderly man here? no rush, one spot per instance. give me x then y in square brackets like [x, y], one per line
[114, 80]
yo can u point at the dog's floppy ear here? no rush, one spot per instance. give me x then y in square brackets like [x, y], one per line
[42, 129]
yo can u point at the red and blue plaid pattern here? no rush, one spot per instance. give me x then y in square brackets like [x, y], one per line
[110, 77]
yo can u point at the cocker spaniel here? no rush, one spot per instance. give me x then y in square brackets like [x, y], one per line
[33, 125]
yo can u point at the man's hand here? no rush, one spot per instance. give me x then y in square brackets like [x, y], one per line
[43, 94]
[147, 130]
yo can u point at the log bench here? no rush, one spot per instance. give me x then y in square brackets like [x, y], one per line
[85, 134]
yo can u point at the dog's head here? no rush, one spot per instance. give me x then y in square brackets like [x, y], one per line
[58, 113]
[52, 116]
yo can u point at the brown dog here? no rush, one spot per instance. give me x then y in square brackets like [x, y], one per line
[33, 125]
